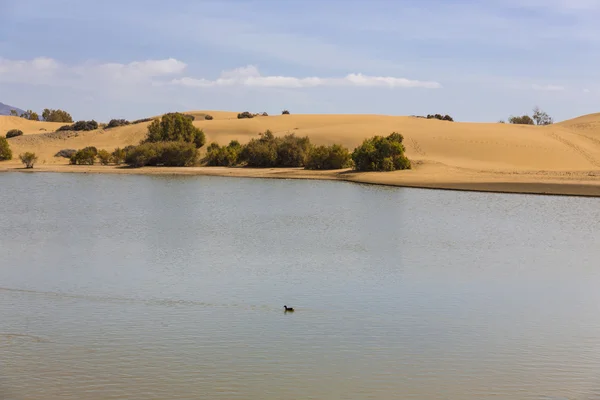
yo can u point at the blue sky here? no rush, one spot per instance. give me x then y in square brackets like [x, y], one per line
[475, 60]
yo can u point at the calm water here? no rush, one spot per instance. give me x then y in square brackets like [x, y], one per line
[134, 287]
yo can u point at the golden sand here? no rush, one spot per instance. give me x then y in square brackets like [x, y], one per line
[563, 158]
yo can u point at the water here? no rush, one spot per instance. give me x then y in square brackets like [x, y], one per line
[138, 287]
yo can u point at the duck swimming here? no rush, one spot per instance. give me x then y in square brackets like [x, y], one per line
[288, 309]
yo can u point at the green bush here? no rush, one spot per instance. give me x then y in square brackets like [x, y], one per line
[80, 126]
[440, 117]
[245, 114]
[381, 154]
[28, 159]
[226, 156]
[332, 157]
[85, 156]
[66, 153]
[261, 152]
[522, 120]
[208, 117]
[5, 152]
[118, 156]
[113, 123]
[175, 127]
[104, 157]
[13, 133]
[169, 154]
[292, 151]
[285, 112]
[139, 121]
[50, 115]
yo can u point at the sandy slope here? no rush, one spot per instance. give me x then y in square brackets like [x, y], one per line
[561, 158]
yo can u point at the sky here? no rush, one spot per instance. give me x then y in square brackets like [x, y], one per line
[479, 61]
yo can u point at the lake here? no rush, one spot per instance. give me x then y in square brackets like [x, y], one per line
[165, 287]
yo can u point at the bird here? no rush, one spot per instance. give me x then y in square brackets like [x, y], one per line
[288, 309]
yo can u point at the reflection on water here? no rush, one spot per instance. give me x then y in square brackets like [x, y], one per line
[133, 287]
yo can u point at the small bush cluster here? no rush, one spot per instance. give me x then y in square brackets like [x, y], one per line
[50, 115]
[66, 153]
[285, 112]
[208, 117]
[139, 121]
[381, 154]
[522, 120]
[118, 156]
[245, 114]
[539, 117]
[14, 133]
[223, 156]
[440, 117]
[85, 156]
[168, 154]
[328, 157]
[113, 123]
[5, 151]
[28, 159]
[80, 126]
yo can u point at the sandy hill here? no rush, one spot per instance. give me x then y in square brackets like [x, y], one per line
[567, 147]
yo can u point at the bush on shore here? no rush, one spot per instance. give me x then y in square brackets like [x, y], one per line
[118, 156]
[381, 154]
[85, 156]
[223, 156]
[5, 151]
[104, 157]
[14, 133]
[28, 159]
[168, 154]
[328, 157]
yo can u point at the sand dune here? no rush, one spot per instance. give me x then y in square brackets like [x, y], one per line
[478, 156]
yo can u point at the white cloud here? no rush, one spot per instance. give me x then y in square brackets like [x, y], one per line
[548, 88]
[250, 76]
[586, 90]
[48, 71]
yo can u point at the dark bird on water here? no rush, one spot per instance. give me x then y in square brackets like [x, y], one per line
[288, 309]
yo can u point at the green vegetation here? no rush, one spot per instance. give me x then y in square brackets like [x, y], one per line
[104, 157]
[113, 123]
[66, 153]
[381, 154]
[50, 115]
[118, 156]
[13, 133]
[522, 120]
[245, 114]
[85, 156]
[208, 117]
[28, 159]
[175, 127]
[5, 152]
[30, 115]
[80, 126]
[226, 156]
[285, 112]
[139, 121]
[14, 113]
[168, 154]
[332, 157]
[440, 117]
[539, 118]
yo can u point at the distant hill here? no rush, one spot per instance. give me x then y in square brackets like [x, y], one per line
[5, 109]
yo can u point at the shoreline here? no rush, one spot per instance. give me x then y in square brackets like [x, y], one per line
[424, 176]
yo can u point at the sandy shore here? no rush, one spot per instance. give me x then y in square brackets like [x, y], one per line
[422, 176]
[560, 159]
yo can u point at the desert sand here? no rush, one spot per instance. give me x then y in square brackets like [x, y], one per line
[563, 158]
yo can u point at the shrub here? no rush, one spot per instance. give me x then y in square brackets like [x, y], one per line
[85, 156]
[264, 114]
[175, 127]
[208, 117]
[541, 117]
[139, 121]
[440, 117]
[118, 156]
[522, 120]
[245, 114]
[332, 157]
[104, 157]
[261, 152]
[66, 153]
[56, 116]
[13, 133]
[226, 156]
[80, 126]
[113, 123]
[292, 151]
[28, 159]
[381, 154]
[5, 152]
[170, 154]
[285, 112]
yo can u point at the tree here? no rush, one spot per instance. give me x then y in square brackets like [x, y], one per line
[5, 152]
[332, 157]
[118, 156]
[85, 156]
[541, 117]
[292, 150]
[104, 157]
[28, 159]
[522, 120]
[262, 152]
[226, 156]
[30, 115]
[381, 154]
[14, 113]
[175, 127]
[14, 133]
[50, 115]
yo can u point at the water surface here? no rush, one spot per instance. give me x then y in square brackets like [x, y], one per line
[139, 287]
